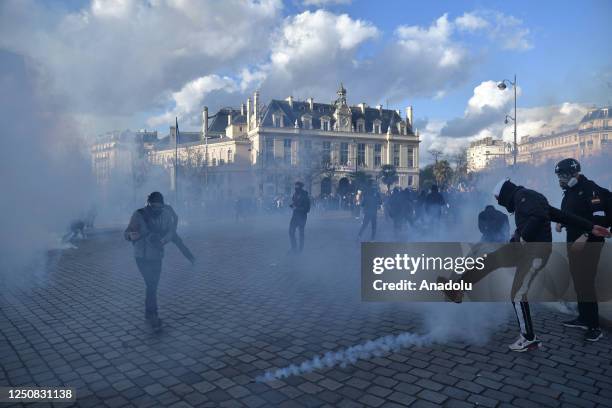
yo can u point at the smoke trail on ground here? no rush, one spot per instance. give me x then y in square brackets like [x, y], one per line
[369, 349]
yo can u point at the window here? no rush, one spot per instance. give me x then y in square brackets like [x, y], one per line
[410, 158]
[287, 151]
[307, 122]
[229, 156]
[410, 180]
[326, 152]
[377, 155]
[344, 148]
[214, 162]
[325, 125]
[361, 126]
[277, 119]
[269, 149]
[376, 128]
[361, 154]
[396, 154]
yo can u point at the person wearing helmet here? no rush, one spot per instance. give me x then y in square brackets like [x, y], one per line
[586, 199]
[149, 230]
[532, 216]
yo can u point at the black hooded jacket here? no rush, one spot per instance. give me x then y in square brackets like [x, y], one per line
[533, 214]
[584, 200]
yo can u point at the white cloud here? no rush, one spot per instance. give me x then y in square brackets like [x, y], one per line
[188, 101]
[122, 56]
[506, 31]
[323, 3]
[471, 22]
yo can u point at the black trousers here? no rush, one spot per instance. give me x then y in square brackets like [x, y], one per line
[368, 219]
[150, 271]
[583, 268]
[528, 259]
[298, 221]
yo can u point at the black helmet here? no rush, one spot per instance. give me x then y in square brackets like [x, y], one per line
[567, 166]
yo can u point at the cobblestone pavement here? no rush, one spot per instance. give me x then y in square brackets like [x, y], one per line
[248, 307]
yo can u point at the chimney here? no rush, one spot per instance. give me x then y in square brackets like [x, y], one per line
[310, 103]
[256, 108]
[290, 100]
[363, 107]
[248, 114]
[379, 107]
[242, 109]
[229, 118]
[409, 115]
[205, 123]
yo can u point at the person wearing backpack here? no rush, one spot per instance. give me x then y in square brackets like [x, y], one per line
[300, 203]
[149, 230]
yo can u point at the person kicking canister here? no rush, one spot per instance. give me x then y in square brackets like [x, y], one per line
[533, 215]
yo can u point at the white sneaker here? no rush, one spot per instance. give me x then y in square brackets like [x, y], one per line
[522, 344]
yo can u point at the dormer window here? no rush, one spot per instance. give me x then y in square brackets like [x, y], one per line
[277, 119]
[360, 126]
[377, 126]
[325, 123]
[307, 121]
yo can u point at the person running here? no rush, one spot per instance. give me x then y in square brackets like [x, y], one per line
[149, 230]
[586, 199]
[370, 202]
[300, 203]
[532, 217]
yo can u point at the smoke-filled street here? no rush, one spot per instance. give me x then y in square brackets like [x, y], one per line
[236, 322]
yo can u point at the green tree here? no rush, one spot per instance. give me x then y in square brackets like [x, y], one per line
[426, 177]
[360, 179]
[443, 173]
[388, 175]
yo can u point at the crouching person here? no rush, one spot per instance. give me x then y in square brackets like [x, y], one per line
[150, 228]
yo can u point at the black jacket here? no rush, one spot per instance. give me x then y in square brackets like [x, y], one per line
[533, 214]
[493, 225]
[300, 202]
[584, 199]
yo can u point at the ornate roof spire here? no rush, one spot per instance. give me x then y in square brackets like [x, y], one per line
[341, 95]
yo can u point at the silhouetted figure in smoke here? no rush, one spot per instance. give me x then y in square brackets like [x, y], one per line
[434, 203]
[77, 227]
[149, 230]
[300, 203]
[396, 212]
[586, 199]
[532, 216]
[407, 205]
[493, 225]
[370, 202]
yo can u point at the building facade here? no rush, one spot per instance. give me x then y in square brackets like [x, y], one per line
[263, 149]
[485, 153]
[590, 137]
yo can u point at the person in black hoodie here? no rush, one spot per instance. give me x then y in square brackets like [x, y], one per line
[370, 202]
[532, 215]
[586, 199]
[493, 225]
[300, 203]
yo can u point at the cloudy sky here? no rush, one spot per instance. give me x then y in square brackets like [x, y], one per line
[116, 64]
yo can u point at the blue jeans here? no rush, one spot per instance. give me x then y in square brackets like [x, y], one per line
[150, 271]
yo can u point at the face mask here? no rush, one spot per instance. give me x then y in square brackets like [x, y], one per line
[567, 180]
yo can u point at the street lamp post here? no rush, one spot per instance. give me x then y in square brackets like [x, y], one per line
[501, 86]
